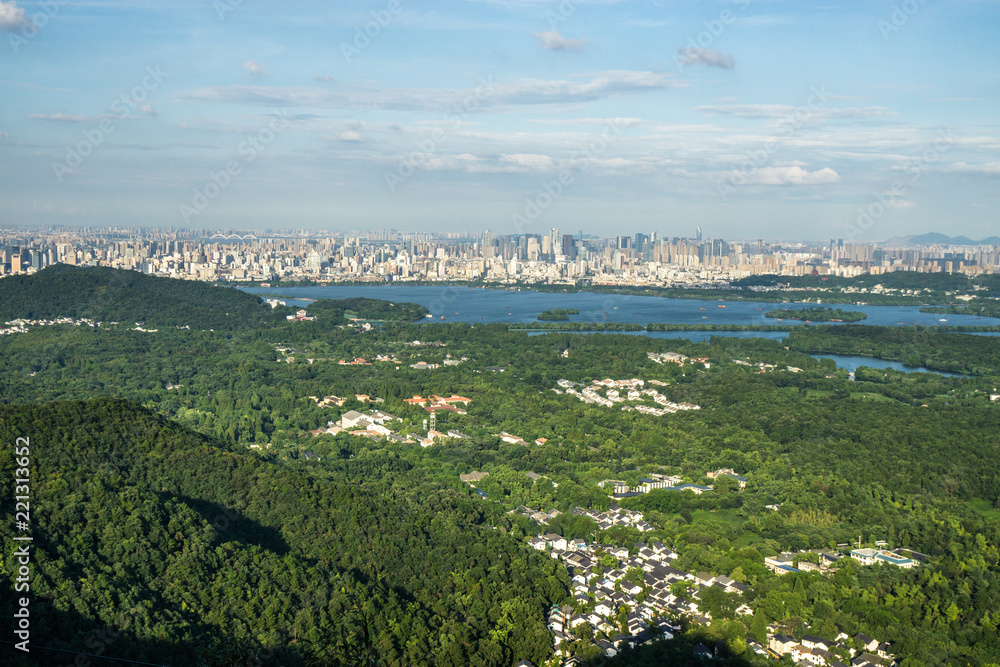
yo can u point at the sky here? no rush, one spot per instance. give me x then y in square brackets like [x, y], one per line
[775, 119]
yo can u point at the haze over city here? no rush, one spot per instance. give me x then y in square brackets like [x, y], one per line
[748, 119]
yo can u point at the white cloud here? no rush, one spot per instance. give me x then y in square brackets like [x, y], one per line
[988, 169]
[788, 176]
[777, 175]
[552, 41]
[465, 162]
[602, 85]
[698, 56]
[610, 122]
[60, 117]
[648, 23]
[147, 110]
[784, 111]
[255, 68]
[12, 17]
[350, 136]
[325, 78]
[528, 160]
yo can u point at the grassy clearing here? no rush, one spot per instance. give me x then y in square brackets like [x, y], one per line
[987, 508]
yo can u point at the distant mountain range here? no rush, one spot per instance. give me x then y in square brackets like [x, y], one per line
[935, 238]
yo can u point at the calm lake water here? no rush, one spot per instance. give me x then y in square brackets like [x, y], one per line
[851, 363]
[466, 304]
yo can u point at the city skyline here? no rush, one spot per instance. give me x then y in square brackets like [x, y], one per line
[513, 116]
[555, 258]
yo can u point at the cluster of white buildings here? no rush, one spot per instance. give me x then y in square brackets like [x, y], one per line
[813, 651]
[620, 391]
[540, 516]
[22, 325]
[676, 358]
[622, 609]
[654, 481]
[763, 367]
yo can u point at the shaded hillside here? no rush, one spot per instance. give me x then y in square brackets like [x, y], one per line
[133, 512]
[114, 295]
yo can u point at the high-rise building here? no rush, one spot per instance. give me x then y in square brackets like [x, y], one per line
[17, 257]
[640, 242]
[555, 238]
[568, 249]
[698, 235]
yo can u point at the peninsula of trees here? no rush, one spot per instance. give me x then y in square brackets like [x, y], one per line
[817, 314]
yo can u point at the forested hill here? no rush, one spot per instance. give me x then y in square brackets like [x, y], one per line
[233, 546]
[367, 309]
[114, 295]
[914, 346]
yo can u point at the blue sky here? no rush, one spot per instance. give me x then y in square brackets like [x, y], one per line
[749, 118]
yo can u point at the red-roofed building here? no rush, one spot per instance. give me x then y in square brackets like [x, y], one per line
[454, 398]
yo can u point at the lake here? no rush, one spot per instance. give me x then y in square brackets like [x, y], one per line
[851, 363]
[467, 304]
